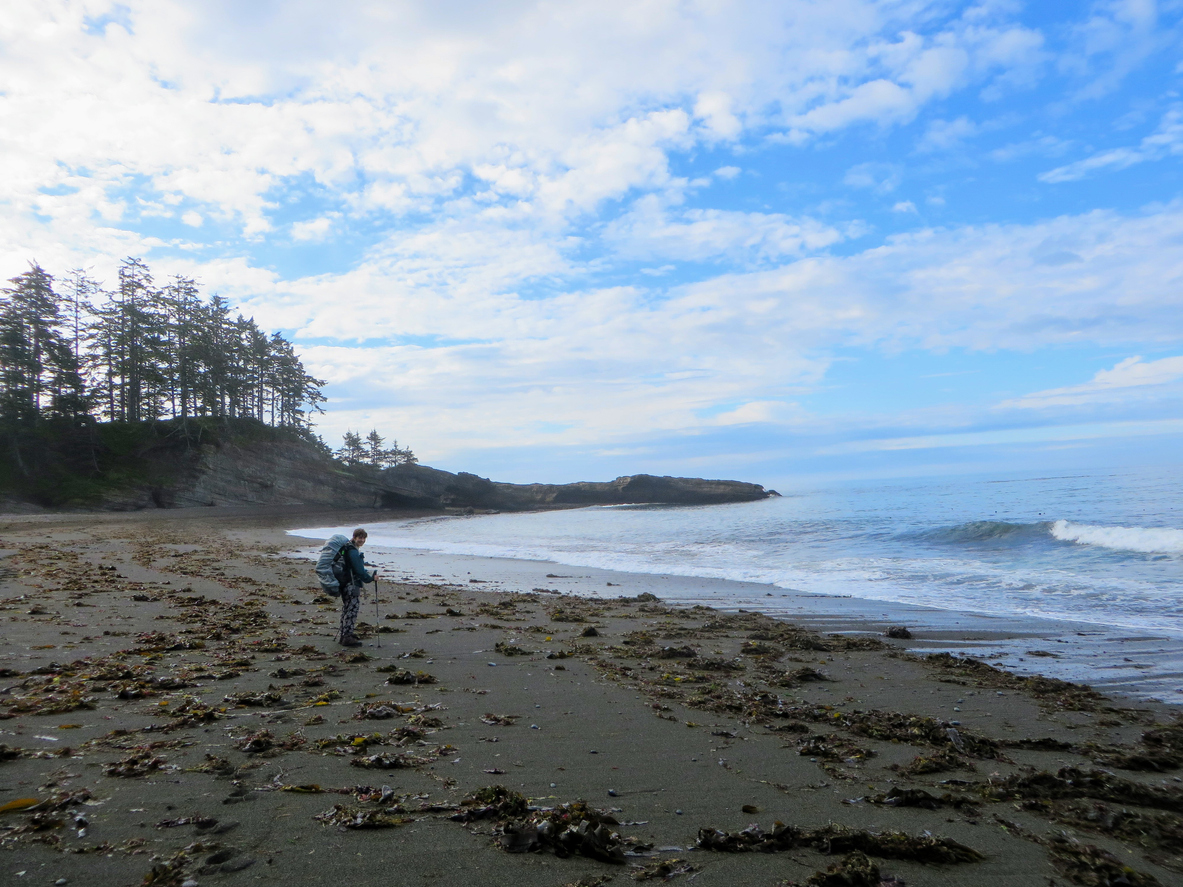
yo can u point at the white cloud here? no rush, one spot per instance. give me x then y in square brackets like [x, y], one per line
[881, 177]
[943, 135]
[653, 230]
[904, 206]
[1165, 141]
[192, 219]
[391, 108]
[615, 363]
[1106, 385]
[313, 229]
[1008, 436]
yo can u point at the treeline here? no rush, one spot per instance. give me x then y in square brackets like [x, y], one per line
[78, 353]
[372, 450]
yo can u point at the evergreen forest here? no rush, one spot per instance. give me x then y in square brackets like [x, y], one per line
[89, 374]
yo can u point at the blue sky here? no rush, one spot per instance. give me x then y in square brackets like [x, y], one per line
[567, 241]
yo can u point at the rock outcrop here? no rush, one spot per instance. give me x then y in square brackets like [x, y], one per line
[245, 463]
[291, 473]
[420, 486]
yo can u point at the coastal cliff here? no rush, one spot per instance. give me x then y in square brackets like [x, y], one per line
[167, 465]
[293, 474]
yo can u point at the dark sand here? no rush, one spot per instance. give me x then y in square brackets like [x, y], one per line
[173, 701]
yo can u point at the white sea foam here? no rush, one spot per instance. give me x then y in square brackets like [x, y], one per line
[1149, 540]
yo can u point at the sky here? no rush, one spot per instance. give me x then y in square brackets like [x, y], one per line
[558, 241]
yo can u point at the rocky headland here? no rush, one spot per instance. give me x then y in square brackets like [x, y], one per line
[254, 466]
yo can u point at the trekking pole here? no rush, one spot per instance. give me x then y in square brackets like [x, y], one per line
[377, 625]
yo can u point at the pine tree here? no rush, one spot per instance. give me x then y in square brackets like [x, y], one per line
[353, 450]
[375, 455]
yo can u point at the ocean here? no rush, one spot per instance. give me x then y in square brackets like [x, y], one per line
[1101, 549]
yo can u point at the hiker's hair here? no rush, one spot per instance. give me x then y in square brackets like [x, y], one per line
[360, 532]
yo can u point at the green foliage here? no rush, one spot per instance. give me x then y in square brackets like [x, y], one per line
[85, 464]
[141, 353]
[133, 357]
[355, 451]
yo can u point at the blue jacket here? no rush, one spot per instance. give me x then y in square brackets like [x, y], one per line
[357, 565]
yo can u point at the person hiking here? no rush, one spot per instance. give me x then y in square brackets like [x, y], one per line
[353, 577]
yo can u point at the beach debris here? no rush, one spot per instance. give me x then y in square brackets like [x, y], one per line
[831, 747]
[9, 753]
[918, 797]
[400, 761]
[262, 742]
[759, 648]
[346, 817]
[19, 804]
[191, 712]
[561, 614]
[664, 870]
[215, 765]
[495, 720]
[414, 678]
[172, 872]
[589, 632]
[1155, 834]
[1070, 782]
[1090, 865]
[139, 764]
[491, 802]
[1047, 691]
[1161, 751]
[899, 633]
[834, 838]
[257, 699]
[855, 870]
[803, 675]
[941, 762]
[507, 649]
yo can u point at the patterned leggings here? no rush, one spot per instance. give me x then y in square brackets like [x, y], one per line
[350, 601]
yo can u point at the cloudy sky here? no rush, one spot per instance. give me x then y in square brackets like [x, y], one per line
[568, 240]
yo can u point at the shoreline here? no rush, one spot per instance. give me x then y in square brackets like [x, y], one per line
[174, 707]
[1139, 665]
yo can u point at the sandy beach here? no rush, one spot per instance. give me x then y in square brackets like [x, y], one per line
[174, 710]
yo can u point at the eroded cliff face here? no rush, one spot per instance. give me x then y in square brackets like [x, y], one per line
[255, 472]
[418, 485]
[272, 473]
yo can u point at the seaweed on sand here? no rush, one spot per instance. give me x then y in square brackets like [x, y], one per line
[940, 762]
[1158, 833]
[1161, 749]
[573, 829]
[855, 870]
[840, 839]
[1092, 866]
[1047, 691]
[833, 748]
[262, 742]
[492, 802]
[1069, 782]
[347, 817]
[918, 797]
[405, 676]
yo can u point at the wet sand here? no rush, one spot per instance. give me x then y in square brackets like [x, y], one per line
[174, 709]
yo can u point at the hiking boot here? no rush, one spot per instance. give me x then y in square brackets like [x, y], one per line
[350, 640]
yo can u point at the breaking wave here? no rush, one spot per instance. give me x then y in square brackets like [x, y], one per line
[989, 531]
[1148, 540]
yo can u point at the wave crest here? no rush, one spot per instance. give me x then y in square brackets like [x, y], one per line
[1148, 540]
[989, 531]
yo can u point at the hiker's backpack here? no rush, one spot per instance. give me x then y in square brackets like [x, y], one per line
[333, 564]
